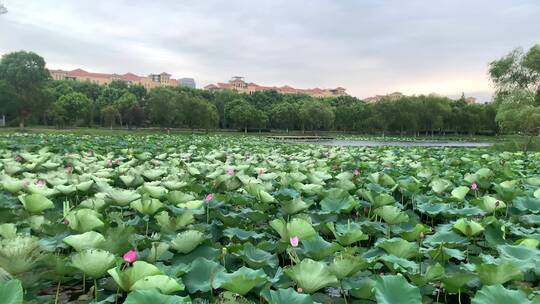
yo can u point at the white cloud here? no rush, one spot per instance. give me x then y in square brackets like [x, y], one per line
[370, 47]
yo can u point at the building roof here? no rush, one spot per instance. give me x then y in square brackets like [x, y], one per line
[82, 73]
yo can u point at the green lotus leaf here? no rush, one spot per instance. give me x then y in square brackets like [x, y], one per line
[318, 249]
[296, 227]
[8, 230]
[497, 294]
[391, 289]
[445, 253]
[66, 189]
[11, 292]
[36, 203]
[460, 192]
[444, 237]
[398, 264]
[257, 258]
[122, 197]
[259, 193]
[490, 204]
[347, 234]
[241, 234]
[240, 281]
[153, 174]
[12, 185]
[525, 258]
[527, 242]
[145, 296]
[382, 179]
[286, 296]
[492, 274]
[440, 185]
[347, 265]
[414, 234]
[20, 254]
[125, 278]
[177, 197]
[399, 247]
[293, 206]
[201, 275]
[533, 181]
[146, 206]
[537, 193]
[192, 205]
[361, 288]
[337, 200]
[433, 273]
[377, 199]
[157, 192]
[84, 220]
[87, 240]
[311, 275]
[164, 283]
[93, 203]
[93, 262]
[188, 240]
[172, 224]
[454, 282]
[468, 227]
[128, 180]
[392, 215]
[527, 204]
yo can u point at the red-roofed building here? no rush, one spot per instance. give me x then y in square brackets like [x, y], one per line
[238, 84]
[150, 81]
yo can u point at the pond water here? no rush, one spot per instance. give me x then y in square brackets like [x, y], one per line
[377, 143]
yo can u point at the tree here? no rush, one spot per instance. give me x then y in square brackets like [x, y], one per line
[316, 115]
[283, 116]
[3, 9]
[241, 113]
[70, 108]
[202, 114]
[163, 106]
[25, 72]
[126, 105]
[109, 114]
[516, 70]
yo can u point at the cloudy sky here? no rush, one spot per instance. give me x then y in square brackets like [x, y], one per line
[369, 47]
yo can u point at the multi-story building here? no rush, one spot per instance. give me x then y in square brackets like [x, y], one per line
[187, 82]
[392, 97]
[238, 84]
[149, 82]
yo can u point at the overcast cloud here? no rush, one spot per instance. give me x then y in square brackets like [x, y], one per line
[369, 47]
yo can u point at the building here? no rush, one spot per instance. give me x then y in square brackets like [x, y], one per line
[392, 97]
[238, 84]
[471, 100]
[187, 82]
[149, 82]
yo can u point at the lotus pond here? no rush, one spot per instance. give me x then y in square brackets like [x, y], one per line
[208, 219]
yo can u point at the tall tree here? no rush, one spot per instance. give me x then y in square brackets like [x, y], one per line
[25, 72]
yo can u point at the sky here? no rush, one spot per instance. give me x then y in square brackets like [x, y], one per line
[367, 46]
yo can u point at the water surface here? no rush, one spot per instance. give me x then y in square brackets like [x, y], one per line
[378, 143]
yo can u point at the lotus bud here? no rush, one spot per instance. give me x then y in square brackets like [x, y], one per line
[40, 183]
[130, 256]
[356, 172]
[18, 158]
[474, 186]
[299, 290]
[294, 241]
[209, 197]
[230, 171]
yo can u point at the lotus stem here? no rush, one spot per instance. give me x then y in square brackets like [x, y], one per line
[95, 289]
[57, 293]
[116, 295]
[459, 295]
[146, 231]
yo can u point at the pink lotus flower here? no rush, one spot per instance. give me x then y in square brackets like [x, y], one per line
[299, 290]
[356, 172]
[18, 158]
[65, 221]
[130, 256]
[294, 241]
[209, 197]
[40, 183]
[68, 168]
[474, 186]
[230, 171]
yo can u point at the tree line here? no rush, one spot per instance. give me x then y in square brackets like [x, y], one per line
[29, 96]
